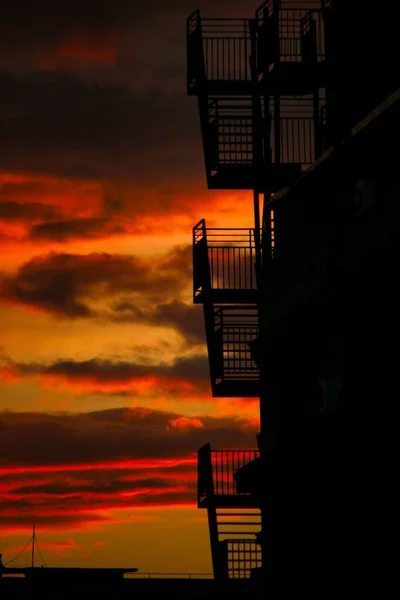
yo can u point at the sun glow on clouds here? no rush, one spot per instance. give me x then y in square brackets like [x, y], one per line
[80, 494]
[100, 188]
[139, 463]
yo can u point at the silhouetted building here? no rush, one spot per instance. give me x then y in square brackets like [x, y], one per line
[301, 105]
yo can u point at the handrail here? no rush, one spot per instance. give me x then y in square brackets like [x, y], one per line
[270, 6]
[223, 464]
[226, 27]
[233, 236]
[156, 575]
[223, 259]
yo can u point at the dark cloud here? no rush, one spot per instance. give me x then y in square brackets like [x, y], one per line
[98, 372]
[103, 486]
[27, 211]
[97, 89]
[187, 319]
[77, 228]
[71, 128]
[62, 284]
[112, 435]
[45, 22]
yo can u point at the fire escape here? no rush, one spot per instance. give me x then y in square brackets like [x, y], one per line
[261, 90]
[224, 281]
[233, 517]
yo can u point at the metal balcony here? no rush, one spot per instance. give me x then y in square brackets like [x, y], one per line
[224, 282]
[234, 518]
[228, 138]
[230, 330]
[218, 53]
[290, 142]
[216, 483]
[291, 57]
[223, 265]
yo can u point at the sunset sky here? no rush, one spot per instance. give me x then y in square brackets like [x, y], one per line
[104, 387]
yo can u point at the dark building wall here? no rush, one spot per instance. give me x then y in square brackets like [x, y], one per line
[330, 501]
[364, 50]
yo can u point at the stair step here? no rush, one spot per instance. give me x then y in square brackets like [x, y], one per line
[239, 514]
[253, 533]
[255, 523]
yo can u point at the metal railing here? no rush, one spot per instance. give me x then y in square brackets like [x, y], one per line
[232, 142]
[225, 47]
[297, 141]
[292, 33]
[231, 127]
[144, 575]
[225, 463]
[219, 50]
[216, 469]
[229, 255]
[195, 69]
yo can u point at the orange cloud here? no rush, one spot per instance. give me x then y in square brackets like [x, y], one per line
[8, 375]
[186, 378]
[186, 423]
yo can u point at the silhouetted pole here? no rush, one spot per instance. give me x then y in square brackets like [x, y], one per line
[33, 546]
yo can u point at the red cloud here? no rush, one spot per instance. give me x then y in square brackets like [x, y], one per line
[138, 463]
[153, 463]
[79, 49]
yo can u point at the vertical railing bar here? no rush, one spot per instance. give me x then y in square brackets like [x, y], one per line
[234, 56]
[229, 59]
[210, 43]
[223, 267]
[223, 53]
[221, 471]
[217, 267]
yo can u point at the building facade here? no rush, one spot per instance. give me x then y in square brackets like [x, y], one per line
[300, 105]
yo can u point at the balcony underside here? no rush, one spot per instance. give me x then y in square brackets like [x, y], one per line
[285, 78]
[228, 296]
[220, 87]
[228, 501]
[295, 78]
[236, 389]
[232, 177]
[241, 177]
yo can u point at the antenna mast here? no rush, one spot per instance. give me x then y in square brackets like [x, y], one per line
[33, 545]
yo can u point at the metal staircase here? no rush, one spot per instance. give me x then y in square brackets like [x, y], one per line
[258, 86]
[263, 104]
[224, 281]
[234, 518]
